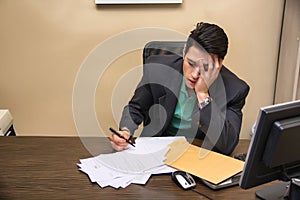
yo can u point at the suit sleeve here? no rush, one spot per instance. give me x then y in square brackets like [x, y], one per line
[222, 124]
[135, 112]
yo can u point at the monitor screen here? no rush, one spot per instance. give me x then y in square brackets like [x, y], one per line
[274, 152]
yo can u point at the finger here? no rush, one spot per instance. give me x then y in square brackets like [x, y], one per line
[125, 134]
[212, 62]
[117, 140]
[119, 147]
[205, 67]
[214, 66]
[208, 65]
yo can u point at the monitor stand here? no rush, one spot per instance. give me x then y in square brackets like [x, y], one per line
[281, 191]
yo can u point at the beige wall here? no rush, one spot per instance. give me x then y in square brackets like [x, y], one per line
[288, 81]
[44, 43]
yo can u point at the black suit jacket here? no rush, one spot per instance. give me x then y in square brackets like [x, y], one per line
[155, 99]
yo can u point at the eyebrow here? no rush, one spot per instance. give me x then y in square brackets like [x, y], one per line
[192, 61]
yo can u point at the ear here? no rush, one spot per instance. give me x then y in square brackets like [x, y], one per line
[183, 51]
[220, 63]
[217, 60]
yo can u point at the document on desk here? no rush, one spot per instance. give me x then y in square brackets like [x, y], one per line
[208, 165]
[134, 165]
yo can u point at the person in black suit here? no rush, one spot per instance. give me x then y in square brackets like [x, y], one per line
[192, 95]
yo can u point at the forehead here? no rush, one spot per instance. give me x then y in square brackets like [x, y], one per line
[195, 53]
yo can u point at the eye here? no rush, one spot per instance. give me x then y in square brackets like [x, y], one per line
[192, 64]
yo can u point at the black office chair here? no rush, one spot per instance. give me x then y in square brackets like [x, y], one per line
[162, 48]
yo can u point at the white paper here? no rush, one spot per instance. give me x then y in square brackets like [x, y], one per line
[134, 165]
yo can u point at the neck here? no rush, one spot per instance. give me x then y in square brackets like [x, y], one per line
[190, 91]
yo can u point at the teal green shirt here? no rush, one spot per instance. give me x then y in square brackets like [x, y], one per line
[182, 117]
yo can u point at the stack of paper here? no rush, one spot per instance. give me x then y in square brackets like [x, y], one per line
[134, 165]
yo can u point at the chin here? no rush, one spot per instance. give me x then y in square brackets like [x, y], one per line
[191, 87]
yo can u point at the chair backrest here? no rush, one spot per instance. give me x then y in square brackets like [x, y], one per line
[163, 48]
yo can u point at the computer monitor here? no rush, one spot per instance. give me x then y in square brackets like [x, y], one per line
[274, 152]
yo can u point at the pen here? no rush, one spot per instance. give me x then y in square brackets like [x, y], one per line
[120, 136]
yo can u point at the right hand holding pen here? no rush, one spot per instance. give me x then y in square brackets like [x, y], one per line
[118, 143]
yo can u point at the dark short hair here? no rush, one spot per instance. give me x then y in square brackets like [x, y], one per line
[210, 37]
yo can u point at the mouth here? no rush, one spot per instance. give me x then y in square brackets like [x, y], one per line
[191, 82]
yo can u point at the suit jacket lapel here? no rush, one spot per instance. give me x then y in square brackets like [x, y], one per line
[169, 100]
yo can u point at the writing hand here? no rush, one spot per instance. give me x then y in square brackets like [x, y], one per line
[119, 143]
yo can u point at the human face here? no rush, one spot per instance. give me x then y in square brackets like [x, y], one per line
[195, 60]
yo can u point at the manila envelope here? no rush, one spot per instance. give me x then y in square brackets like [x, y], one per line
[208, 165]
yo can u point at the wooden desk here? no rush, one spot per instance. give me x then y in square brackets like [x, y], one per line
[45, 168]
